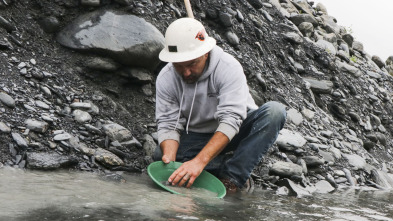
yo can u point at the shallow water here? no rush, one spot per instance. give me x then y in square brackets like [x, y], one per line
[33, 195]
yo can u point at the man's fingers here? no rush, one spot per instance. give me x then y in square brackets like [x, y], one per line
[190, 181]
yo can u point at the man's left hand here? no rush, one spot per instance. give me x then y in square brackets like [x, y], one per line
[188, 171]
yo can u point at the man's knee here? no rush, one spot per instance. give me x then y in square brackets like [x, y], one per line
[276, 112]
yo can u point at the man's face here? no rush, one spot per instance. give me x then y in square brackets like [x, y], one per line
[191, 70]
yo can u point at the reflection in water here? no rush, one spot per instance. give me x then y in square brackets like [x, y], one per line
[32, 195]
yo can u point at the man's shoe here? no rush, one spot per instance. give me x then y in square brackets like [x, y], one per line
[229, 186]
[232, 188]
[248, 186]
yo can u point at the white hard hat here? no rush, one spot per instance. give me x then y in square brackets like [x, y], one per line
[186, 39]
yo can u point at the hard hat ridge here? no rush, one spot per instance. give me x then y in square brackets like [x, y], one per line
[186, 39]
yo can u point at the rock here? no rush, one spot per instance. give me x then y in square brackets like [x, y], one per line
[37, 126]
[232, 38]
[4, 23]
[327, 46]
[378, 61]
[293, 37]
[138, 75]
[49, 161]
[107, 158]
[306, 28]
[358, 46]
[149, 145]
[19, 140]
[81, 116]
[320, 7]
[50, 24]
[382, 178]
[323, 186]
[257, 4]
[300, 18]
[320, 87]
[290, 140]
[355, 161]
[90, 2]
[389, 65]
[286, 169]
[102, 64]
[61, 137]
[4, 128]
[313, 161]
[7, 100]
[308, 114]
[330, 24]
[117, 132]
[42, 105]
[294, 189]
[80, 105]
[349, 177]
[225, 18]
[294, 116]
[348, 38]
[374, 74]
[132, 42]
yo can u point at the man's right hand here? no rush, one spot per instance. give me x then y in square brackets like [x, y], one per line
[169, 150]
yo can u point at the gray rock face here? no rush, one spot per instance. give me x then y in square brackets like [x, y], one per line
[48, 161]
[37, 126]
[7, 100]
[4, 128]
[298, 19]
[19, 140]
[290, 140]
[117, 132]
[344, 67]
[127, 39]
[286, 169]
[320, 87]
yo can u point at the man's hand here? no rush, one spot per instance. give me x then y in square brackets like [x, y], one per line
[169, 150]
[188, 171]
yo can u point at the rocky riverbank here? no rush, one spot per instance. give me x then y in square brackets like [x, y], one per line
[77, 91]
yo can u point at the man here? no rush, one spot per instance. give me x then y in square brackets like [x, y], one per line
[204, 110]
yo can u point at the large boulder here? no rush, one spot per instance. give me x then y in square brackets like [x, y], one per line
[127, 39]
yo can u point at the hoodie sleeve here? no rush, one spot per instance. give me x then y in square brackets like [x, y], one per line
[233, 94]
[167, 107]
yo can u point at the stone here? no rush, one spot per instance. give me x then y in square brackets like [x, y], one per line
[49, 161]
[348, 38]
[378, 61]
[4, 128]
[300, 18]
[102, 64]
[49, 24]
[107, 158]
[149, 145]
[19, 140]
[7, 100]
[286, 169]
[355, 161]
[233, 39]
[61, 137]
[294, 189]
[293, 37]
[42, 105]
[306, 28]
[37, 126]
[327, 46]
[294, 116]
[313, 161]
[347, 68]
[308, 114]
[117, 132]
[290, 140]
[138, 75]
[323, 186]
[132, 42]
[358, 46]
[320, 86]
[81, 116]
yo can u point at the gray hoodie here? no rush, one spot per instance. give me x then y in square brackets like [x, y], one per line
[218, 101]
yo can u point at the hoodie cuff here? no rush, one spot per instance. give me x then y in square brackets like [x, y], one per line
[169, 135]
[227, 129]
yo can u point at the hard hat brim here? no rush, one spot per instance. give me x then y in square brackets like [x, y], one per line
[167, 56]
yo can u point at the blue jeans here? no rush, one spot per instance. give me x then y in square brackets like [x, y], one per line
[256, 135]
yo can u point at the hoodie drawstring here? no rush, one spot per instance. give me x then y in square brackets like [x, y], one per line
[192, 105]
